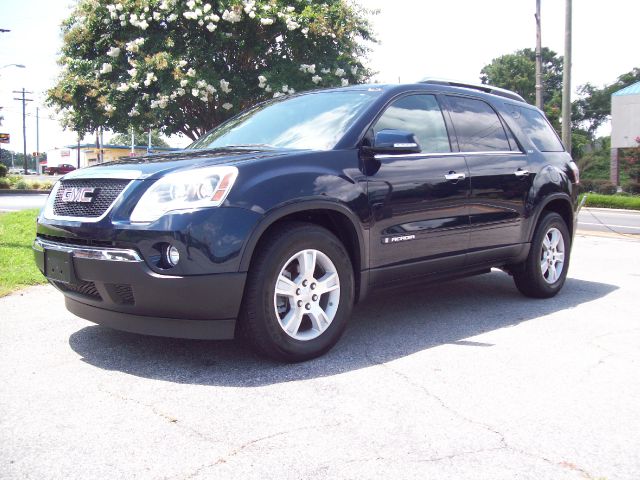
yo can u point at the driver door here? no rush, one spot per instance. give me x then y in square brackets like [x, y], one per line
[419, 201]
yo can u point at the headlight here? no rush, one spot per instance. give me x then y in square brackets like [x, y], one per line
[202, 187]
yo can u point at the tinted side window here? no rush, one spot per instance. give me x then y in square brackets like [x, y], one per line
[419, 114]
[477, 125]
[537, 128]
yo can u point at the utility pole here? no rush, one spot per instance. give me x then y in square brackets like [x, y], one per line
[539, 99]
[566, 80]
[38, 140]
[24, 101]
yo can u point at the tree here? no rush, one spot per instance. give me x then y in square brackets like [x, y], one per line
[140, 138]
[593, 108]
[188, 66]
[517, 71]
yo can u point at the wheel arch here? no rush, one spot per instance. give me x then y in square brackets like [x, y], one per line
[559, 203]
[335, 217]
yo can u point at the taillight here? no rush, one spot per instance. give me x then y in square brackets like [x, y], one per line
[576, 171]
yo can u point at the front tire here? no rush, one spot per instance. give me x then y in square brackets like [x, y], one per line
[544, 272]
[299, 293]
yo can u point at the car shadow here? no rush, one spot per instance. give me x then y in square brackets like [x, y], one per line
[385, 327]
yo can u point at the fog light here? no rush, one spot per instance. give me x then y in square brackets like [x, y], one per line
[171, 255]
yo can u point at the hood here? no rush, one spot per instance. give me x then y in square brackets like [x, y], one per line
[153, 166]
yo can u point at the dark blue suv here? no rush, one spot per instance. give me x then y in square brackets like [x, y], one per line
[275, 223]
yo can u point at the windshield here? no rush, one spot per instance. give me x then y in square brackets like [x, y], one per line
[314, 121]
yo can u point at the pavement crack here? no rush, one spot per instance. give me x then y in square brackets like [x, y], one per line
[165, 416]
[504, 444]
[237, 450]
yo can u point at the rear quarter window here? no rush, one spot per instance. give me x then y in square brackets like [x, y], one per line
[537, 128]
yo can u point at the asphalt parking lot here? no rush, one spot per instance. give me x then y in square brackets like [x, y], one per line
[454, 381]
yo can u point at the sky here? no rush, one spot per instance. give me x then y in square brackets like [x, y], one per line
[452, 39]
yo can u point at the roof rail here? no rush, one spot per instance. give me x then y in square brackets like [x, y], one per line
[481, 87]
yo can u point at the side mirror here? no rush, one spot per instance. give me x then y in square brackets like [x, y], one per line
[395, 141]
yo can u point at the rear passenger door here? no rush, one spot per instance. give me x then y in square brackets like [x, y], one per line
[418, 201]
[500, 179]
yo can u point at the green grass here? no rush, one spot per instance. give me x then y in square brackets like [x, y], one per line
[17, 268]
[613, 201]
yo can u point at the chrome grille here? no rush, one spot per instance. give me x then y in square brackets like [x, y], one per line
[106, 192]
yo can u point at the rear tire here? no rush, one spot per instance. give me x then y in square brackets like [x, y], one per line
[299, 293]
[544, 272]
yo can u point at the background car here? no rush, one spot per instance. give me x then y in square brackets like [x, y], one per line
[60, 169]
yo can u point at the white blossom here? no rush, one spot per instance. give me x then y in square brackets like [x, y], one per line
[191, 72]
[113, 52]
[345, 82]
[340, 72]
[198, 12]
[201, 84]
[195, 92]
[151, 77]
[119, 7]
[252, 14]
[182, 63]
[305, 31]
[266, 21]
[278, 94]
[134, 112]
[285, 88]
[172, 18]
[134, 45]
[132, 71]
[291, 9]
[262, 80]
[106, 68]
[291, 91]
[227, 106]
[325, 70]
[268, 89]
[308, 68]
[190, 15]
[224, 86]
[316, 79]
[191, 4]
[111, 8]
[135, 85]
[231, 16]
[164, 5]
[156, 16]
[201, 22]
[123, 87]
[180, 91]
[109, 108]
[143, 24]
[211, 89]
[214, 18]
[291, 24]
[184, 82]
[206, 8]
[211, 27]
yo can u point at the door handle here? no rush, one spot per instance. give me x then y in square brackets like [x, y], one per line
[521, 173]
[453, 176]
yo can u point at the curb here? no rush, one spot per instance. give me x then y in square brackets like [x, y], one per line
[7, 191]
[604, 209]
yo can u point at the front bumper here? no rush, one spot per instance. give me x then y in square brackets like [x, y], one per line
[114, 287]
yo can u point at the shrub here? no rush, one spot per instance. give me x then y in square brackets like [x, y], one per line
[46, 186]
[34, 185]
[4, 183]
[3, 170]
[21, 185]
[632, 187]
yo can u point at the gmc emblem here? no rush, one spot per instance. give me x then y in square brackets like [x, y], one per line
[78, 195]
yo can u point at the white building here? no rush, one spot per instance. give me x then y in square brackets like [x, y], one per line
[625, 124]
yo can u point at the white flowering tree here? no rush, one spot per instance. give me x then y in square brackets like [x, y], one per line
[186, 66]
